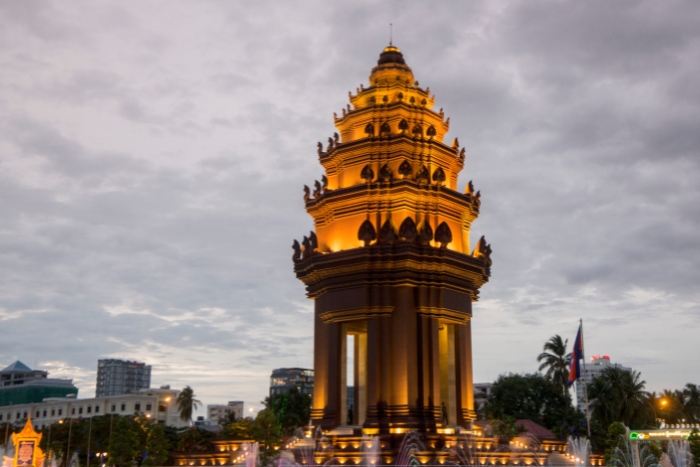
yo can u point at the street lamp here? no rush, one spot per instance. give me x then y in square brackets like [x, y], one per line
[663, 403]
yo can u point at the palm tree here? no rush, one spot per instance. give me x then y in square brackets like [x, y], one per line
[556, 361]
[672, 406]
[186, 404]
[692, 402]
[618, 395]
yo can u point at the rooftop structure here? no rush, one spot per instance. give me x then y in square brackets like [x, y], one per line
[283, 380]
[19, 384]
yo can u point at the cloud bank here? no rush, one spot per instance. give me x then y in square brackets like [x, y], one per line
[152, 159]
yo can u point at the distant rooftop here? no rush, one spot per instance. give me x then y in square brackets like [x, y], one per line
[19, 384]
[19, 374]
[17, 366]
[535, 429]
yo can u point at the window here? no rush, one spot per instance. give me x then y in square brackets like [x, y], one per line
[53, 412]
[89, 409]
[97, 409]
[25, 414]
[80, 410]
[114, 407]
[123, 406]
[137, 406]
[148, 407]
[0, 417]
[37, 414]
[73, 411]
[44, 413]
[60, 412]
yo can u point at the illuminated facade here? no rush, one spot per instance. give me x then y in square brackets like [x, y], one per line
[390, 264]
[27, 450]
[158, 404]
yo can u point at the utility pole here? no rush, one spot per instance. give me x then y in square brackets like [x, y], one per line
[70, 432]
[88, 447]
[48, 446]
[111, 421]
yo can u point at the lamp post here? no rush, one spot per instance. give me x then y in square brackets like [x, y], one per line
[88, 446]
[7, 429]
[111, 422]
[663, 402]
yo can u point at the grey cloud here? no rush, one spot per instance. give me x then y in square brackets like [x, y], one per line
[151, 173]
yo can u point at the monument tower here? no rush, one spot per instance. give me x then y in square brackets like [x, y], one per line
[390, 264]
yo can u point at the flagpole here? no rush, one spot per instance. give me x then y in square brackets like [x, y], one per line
[585, 386]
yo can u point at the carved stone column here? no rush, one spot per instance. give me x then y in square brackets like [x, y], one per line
[328, 370]
[465, 383]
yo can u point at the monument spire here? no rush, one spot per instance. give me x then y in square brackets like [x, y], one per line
[390, 264]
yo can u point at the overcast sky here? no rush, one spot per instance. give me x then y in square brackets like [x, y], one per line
[152, 156]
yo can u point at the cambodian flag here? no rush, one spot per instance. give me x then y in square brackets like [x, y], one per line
[576, 356]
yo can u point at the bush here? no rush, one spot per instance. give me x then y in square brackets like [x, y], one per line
[615, 439]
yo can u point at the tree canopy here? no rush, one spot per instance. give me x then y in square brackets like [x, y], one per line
[196, 440]
[267, 432]
[618, 395]
[533, 397]
[292, 410]
[157, 447]
[694, 445]
[240, 429]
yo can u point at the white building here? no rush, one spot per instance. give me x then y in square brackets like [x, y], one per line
[216, 412]
[157, 403]
[482, 391]
[590, 372]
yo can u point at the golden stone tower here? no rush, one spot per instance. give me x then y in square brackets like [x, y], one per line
[390, 264]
